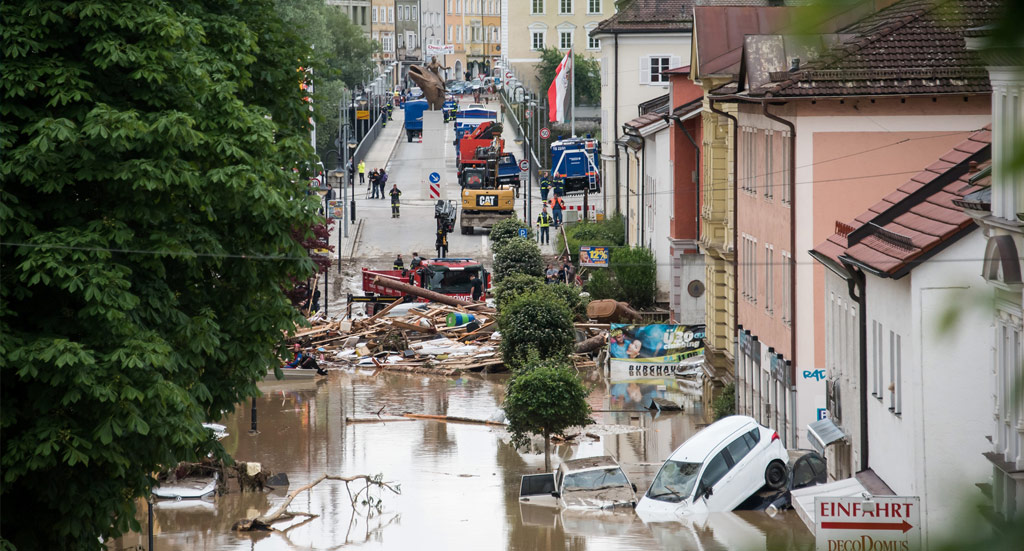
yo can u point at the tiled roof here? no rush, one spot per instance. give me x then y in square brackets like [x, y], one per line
[919, 218]
[650, 16]
[653, 110]
[911, 47]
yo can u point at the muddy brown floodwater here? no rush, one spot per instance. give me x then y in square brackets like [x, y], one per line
[459, 481]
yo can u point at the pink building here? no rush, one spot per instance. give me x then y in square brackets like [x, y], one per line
[827, 125]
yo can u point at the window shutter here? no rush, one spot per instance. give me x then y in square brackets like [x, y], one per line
[674, 62]
[645, 69]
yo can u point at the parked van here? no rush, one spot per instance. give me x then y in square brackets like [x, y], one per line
[718, 468]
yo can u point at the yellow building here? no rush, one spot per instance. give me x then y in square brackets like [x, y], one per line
[533, 25]
[474, 28]
[382, 31]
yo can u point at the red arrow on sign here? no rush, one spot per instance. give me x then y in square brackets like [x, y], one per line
[904, 526]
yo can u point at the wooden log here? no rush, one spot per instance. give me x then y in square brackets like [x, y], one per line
[413, 327]
[591, 344]
[429, 295]
[450, 418]
[385, 311]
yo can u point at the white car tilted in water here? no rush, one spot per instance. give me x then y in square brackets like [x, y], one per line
[717, 468]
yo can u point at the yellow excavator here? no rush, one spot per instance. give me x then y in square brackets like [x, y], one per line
[484, 201]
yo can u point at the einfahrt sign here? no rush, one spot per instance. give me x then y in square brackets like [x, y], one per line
[881, 523]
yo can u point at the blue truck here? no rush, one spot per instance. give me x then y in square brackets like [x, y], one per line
[575, 162]
[468, 119]
[508, 172]
[414, 118]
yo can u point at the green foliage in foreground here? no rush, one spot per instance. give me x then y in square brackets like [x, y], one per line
[725, 403]
[636, 274]
[535, 322]
[146, 208]
[608, 233]
[545, 398]
[514, 285]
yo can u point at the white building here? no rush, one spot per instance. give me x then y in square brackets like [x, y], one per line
[638, 44]
[911, 259]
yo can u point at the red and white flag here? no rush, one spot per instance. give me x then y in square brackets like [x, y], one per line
[560, 91]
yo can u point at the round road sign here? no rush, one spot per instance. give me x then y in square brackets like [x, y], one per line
[529, 114]
[508, 74]
[434, 177]
[524, 165]
[545, 133]
[314, 182]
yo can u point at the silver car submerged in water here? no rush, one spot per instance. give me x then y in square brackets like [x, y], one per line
[588, 483]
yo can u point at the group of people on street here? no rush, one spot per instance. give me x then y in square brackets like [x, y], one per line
[565, 274]
[378, 179]
[557, 204]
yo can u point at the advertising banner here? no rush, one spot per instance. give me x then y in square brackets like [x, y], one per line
[440, 49]
[594, 256]
[336, 209]
[655, 350]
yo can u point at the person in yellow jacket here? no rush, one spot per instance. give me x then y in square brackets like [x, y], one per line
[362, 172]
[544, 222]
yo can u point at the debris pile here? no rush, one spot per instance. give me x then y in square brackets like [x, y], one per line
[423, 337]
[416, 337]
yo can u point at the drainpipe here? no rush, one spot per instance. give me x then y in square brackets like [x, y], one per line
[792, 229]
[696, 156]
[855, 284]
[735, 196]
[615, 126]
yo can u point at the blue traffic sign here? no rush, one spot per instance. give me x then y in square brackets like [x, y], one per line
[434, 177]
[522, 233]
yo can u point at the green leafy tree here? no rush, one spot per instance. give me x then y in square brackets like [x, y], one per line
[535, 322]
[514, 285]
[610, 232]
[724, 404]
[547, 398]
[147, 208]
[601, 284]
[587, 74]
[570, 296]
[507, 229]
[518, 255]
[636, 273]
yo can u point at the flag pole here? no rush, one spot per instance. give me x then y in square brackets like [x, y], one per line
[572, 92]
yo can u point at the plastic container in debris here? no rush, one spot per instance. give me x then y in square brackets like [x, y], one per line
[458, 318]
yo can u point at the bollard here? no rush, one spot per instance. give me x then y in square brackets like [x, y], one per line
[252, 429]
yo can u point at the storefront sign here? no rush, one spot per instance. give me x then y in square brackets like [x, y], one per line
[867, 524]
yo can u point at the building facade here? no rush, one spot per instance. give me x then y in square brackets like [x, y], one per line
[533, 25]
[432, 31]
[358, 11]
[382, 31]
[474, 28]
[408, 50]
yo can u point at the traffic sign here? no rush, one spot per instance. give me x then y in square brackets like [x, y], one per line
[434, 177]
[315, 182]
[524, 165]
[876, 522]
[508, 75]
[523, 233]
[545, 133]
[529, 114]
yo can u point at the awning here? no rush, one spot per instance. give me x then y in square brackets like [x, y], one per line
[803, 499]
[824, 432]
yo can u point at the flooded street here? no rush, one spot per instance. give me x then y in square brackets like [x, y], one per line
[459, 481]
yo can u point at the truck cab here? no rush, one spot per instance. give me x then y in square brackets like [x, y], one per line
[448, 276]
[575, 162]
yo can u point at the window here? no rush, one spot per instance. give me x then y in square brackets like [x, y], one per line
[458, 36]
[564, 40]
[769, 174]
[449, 6]
[899, 376]
[537, 40]
[374, 12]
[414, 16]
[593, 43]
[714, 472]
[748, 256]
[739, 448]
[391, 15]
[787, 277]
[565, 7]
[451, 33]
[593, 6]
[658, 66]
[400, 13]
[769, 283]
[786, 163]
[876, 358]
[537, 7]
[747, 152]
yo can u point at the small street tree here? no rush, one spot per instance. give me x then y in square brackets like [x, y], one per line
[587, 73]
[545, 398]
[535, 321]
[507, 229]
[518, 255]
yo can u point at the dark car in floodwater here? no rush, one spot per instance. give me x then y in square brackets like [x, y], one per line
[806, 468]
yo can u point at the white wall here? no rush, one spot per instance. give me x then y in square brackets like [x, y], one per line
[631, 93]
[933, 448]
[842, 353]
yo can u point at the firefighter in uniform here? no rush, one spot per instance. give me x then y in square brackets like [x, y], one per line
[545, 185]
[559, 187]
